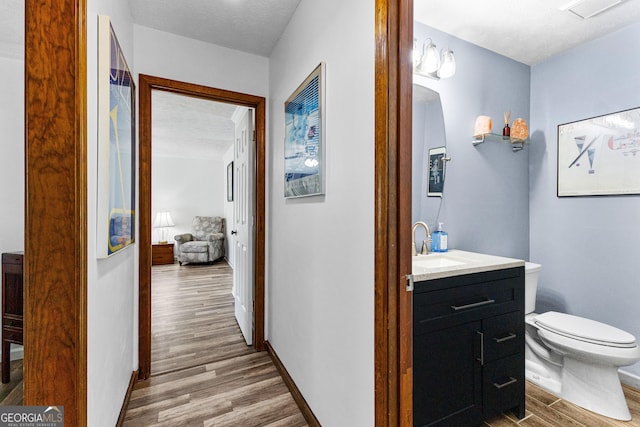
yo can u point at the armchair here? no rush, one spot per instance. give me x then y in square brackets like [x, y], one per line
[205, 243]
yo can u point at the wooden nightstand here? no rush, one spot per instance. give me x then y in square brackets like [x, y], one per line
[162, 253]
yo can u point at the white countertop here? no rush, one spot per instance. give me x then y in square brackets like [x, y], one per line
[437, 265]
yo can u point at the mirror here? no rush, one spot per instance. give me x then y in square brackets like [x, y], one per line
[429, 150]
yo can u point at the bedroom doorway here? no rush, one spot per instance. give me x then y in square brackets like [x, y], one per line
[147, 85]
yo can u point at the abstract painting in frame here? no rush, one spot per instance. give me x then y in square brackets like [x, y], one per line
[116, 217]
[600, 156]
[304, 141]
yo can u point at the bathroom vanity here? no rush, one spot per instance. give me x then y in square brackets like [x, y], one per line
[468, 338]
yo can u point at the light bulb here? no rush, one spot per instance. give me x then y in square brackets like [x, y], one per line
[448, 68]
[430, 59]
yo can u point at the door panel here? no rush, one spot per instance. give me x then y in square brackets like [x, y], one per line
[243, 225]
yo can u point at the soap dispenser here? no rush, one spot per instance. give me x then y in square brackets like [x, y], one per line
[439, 241]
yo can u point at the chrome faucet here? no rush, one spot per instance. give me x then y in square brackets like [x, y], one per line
[425, 246]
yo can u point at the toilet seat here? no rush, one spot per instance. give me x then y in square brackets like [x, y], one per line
[586, 330]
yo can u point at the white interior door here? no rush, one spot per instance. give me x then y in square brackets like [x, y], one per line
[244, 171]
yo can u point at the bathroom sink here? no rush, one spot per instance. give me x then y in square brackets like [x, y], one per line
[456, 262]
[437, 260]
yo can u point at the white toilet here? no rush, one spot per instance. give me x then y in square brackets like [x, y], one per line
[576, 358]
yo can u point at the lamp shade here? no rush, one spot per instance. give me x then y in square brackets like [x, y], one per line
[163, 219]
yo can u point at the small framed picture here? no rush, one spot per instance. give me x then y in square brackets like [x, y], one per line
[436, 167]
[230, 182]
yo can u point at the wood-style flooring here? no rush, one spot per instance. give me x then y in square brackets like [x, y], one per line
[203, 373]
[11, 392]
[546, 410]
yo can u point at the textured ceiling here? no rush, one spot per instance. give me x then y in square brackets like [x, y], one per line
[188, 127]
[252, 26]
[529, 31]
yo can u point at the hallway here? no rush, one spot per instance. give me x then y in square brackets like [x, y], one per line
[202, 371]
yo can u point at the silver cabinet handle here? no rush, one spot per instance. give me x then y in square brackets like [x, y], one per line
[507, 338]
[475, 304]
[511, 381]
[481, 359]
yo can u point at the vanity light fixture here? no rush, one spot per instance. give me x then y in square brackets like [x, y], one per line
[432, 64]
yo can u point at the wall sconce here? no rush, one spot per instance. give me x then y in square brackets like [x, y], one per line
[163, 221]
[429, 63]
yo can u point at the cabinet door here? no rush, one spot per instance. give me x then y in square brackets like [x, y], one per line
[447, 380]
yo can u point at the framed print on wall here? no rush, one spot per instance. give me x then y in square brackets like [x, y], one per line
[304, 162]
[600, 156]
[435, 171]
[116, 145]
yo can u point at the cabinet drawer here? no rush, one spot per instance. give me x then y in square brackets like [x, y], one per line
[461, 304]
[12, 258]
[12, 322]
[503, 384]
[12, 335]
[503, 335]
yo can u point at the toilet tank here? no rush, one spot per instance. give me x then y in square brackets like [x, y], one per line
[531, 272]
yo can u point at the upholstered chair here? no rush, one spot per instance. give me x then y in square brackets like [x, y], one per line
[205, 243]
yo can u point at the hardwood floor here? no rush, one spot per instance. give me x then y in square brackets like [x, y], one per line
[203, 373]
[545, 409]
[11, 392]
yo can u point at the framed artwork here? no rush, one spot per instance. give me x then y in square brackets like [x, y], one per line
[304, 165]
[116, 145]
[230, 182]
[600, 156]
[436, 167]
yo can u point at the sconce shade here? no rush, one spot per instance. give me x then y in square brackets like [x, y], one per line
[448, 68]
[430, 61]
[163, 219]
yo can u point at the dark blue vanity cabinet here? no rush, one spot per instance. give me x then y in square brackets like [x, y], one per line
[468, 348]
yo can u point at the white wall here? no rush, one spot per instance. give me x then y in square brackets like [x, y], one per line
[186, 188]
[112, 282]
[163, 54]
[12, 161]
[320, 280]
[12, 154]
[174, 57]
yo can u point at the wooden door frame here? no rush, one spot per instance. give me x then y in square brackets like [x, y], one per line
[55, 263]
[146, 84]
[393, 304]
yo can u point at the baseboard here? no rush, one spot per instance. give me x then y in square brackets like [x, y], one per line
[125, 402]
[17, 353]
[295, 392]
[629, 379]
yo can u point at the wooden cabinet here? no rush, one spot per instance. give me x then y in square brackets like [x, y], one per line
[162, 253]
[468, 348]
[12, 307]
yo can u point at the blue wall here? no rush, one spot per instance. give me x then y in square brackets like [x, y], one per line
[486, 198]
[589, 247]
